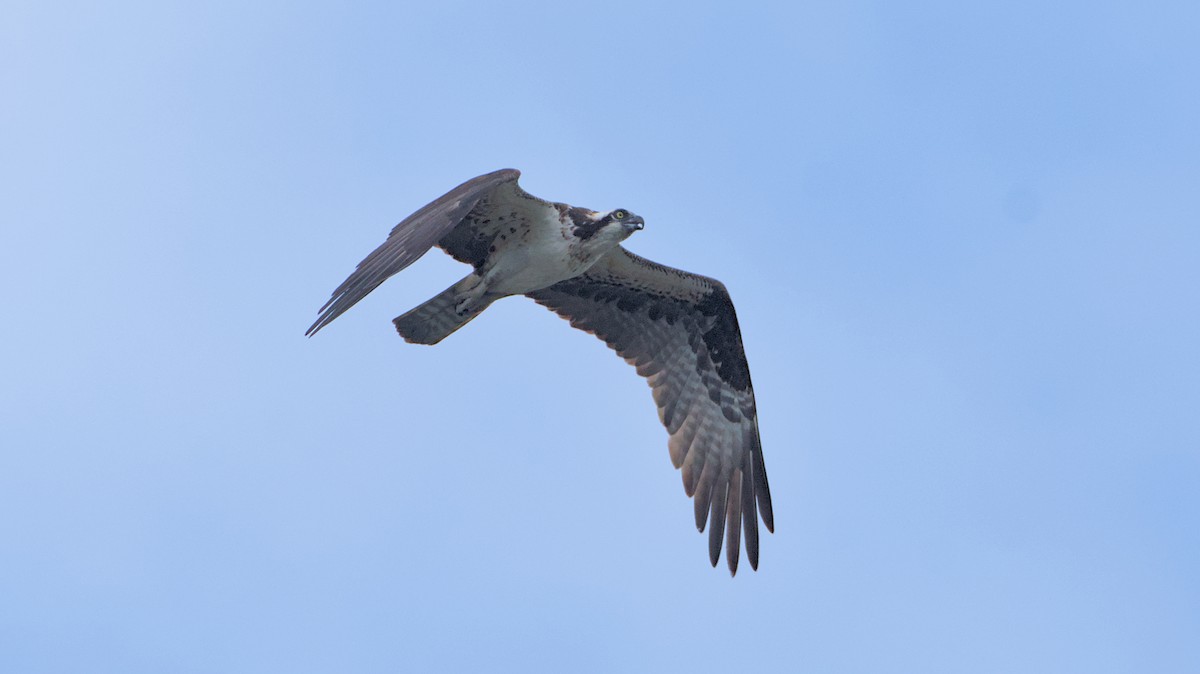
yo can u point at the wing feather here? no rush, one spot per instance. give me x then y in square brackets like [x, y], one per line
[704, 488]
[716, 534]
[761, 489]
[409, 240]
[680, 331]
[750, 514]
[733, 521]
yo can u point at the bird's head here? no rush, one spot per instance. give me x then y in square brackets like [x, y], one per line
[608, 227]
[625, 221]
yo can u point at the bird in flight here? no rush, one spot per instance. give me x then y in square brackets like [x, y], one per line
[678, 329]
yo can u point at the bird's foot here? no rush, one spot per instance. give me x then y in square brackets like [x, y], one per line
[465, 303]
[467, 300]
[462, 307]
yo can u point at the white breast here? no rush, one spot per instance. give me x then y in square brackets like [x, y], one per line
[539, 255]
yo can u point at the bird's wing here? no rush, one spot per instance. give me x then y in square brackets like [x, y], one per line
[681, 333]
[498, 213]
[412, 238]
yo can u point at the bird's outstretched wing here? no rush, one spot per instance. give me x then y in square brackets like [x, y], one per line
[411, 239]
[681, 333]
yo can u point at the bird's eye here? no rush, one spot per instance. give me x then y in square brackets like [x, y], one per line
[619, 215]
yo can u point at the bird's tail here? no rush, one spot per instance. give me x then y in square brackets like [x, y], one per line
[434, 320]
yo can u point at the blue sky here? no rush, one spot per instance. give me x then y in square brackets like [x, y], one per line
[962, 239]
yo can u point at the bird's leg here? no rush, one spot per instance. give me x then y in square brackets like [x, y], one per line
[468, 297]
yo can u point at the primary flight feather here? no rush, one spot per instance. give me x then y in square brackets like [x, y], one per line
[678, 329]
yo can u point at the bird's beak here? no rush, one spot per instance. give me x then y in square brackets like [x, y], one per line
[635, 223]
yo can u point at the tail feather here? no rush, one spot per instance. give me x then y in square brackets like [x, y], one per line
[434, 320]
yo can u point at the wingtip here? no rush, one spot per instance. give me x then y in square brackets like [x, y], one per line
[324, 317]
[715, 539]
[766, 512]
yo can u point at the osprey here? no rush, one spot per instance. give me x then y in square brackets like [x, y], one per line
[678, 329]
